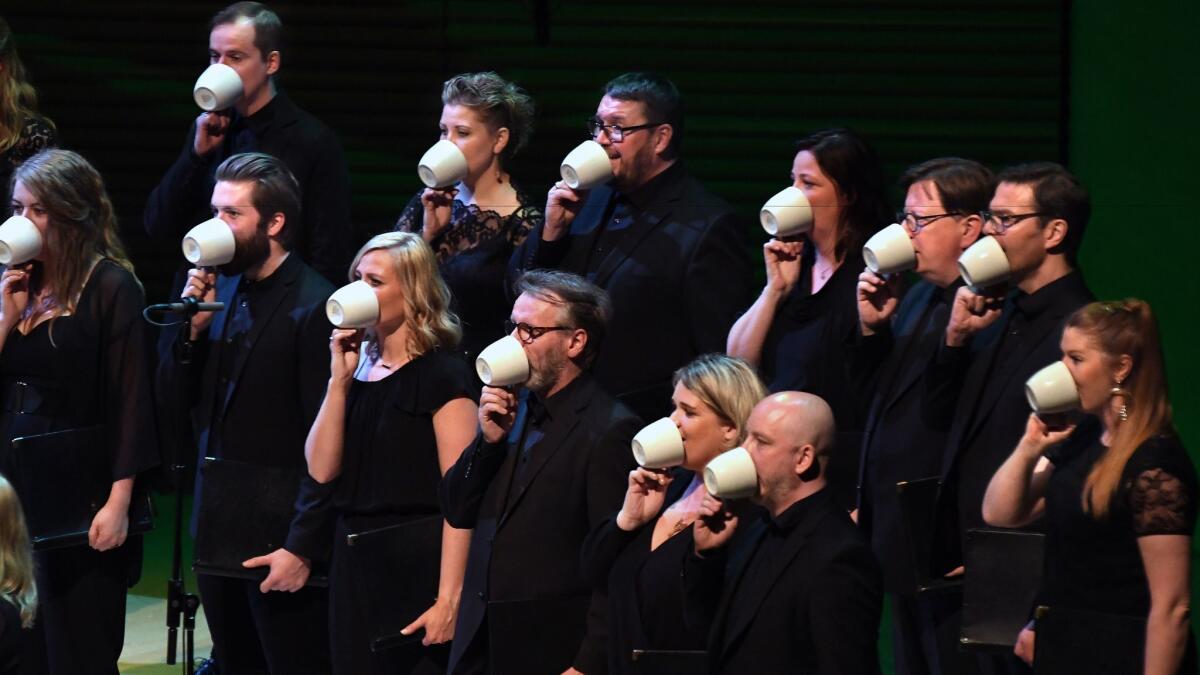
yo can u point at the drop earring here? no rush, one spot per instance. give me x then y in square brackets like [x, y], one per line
[1118, 390]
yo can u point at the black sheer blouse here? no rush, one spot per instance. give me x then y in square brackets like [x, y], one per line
[473, 253]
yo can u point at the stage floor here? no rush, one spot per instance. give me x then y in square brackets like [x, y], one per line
[145, 651]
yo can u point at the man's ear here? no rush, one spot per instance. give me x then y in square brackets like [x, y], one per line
[275, 225]
[577, 344]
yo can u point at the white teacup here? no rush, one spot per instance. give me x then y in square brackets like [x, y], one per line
[442, 165]
[354, 305]
[984, 264]
[586, 167]
[731, 475]
[1052, 390]
[217, 88]
[503, 363]
[20, 241]
[209, 244]
[787, 214]
[658, 445]
[890, 251]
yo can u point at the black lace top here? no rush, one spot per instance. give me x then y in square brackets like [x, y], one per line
[1094, 564]
[37, 135]
[473, 253]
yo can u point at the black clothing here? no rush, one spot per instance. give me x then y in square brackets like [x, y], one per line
[254, 382]
[36, 135]
[323, 238]
[979, 393]
[674, 262]
[389, 475]
[17, 643]
[89, 368]
[802, 595]
[806, 349]
[473, 253]
[647, 608]
[528, 529]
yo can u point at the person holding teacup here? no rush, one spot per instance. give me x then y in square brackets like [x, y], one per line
[802, 591]
[75, 356]
[636, 555]
[1118, 497]
[397, 413]
[797, 330]
[898, 334]
[474, 222]
[670, 253]
[250, 114]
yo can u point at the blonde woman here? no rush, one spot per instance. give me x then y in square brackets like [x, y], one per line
[638, 554]
[23, 131]
[397, 413]
[18, 596]
[74, 353]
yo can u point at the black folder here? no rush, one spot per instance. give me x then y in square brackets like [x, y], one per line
[1004, 574]
[246, 511]
[918, 503]
[76, 463]
[539, 635]
[1080, 641]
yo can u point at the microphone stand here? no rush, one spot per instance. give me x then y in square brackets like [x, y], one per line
[181, 605]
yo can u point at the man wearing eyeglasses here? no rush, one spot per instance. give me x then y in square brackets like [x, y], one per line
[550, 462]
[993, 344]
[899, 333]
[670, 254]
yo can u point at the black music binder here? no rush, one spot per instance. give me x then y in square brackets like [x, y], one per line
[918, 508]
[63, 478]
[228, 533]
[1004, 574]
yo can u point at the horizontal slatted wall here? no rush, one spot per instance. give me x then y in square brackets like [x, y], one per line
[981, 79]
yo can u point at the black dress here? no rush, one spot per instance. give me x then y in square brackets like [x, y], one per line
[390, 475]
[37, 135]
[646, 589]
[473, 253]
[1095, 565]
[808, 349]
[89, 368]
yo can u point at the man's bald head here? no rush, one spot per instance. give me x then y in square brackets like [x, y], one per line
[805, 418]
[789, 438]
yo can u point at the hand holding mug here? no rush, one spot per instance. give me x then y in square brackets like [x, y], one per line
[1039, 437]
[497, 413]
[644, 498]
[201, 285]
[344, 346]
[715, 526]
[210, 131]
[14, 295]
[782, 259]
[438, 205]
[562, 205]
[970, 314]
[878, 298]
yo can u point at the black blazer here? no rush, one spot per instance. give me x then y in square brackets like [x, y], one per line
[576, 477]
[263, 414]
[678, 278]
[818, 607]
[989, 408]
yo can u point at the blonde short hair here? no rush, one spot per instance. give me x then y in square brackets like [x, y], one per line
[727, 385]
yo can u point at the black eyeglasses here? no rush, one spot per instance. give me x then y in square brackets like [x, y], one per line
[914, 223]
[616, 132]
[1001, 222]
[527, 333]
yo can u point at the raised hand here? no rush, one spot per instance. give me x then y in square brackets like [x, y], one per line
[878, 298]
[644, 498]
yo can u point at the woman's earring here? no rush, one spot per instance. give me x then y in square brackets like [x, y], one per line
[1118, 390]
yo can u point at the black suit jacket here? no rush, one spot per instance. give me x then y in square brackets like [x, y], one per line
[310, 150]
[263, 414]
[527, 534]
[989, 406]
[817, 607]
[678, 278]
[898, 442]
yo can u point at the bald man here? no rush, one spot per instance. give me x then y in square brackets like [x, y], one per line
[802, 592]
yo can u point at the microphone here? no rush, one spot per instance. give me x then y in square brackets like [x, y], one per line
[188, 306]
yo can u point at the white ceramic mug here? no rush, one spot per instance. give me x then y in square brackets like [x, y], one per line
[442, 165]
[503, 363]
[658, 445]
[217, 88]
[209, 244]
[586, 167]
[984, 264]
[20, 241]
[1052, 390]
[354, 305]
[786, 214]
[890, 251]
[731, 475]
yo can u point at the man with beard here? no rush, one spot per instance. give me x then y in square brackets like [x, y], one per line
[549, 463]
[254, 375]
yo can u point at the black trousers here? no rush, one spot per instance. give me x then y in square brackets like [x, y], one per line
[256, 633]
[925, 634]
[81, 605]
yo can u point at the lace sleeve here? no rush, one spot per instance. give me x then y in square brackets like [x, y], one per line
[1161, 504]
[522, 222]
[410, 217]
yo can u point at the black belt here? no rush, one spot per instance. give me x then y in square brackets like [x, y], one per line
[25, 398]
